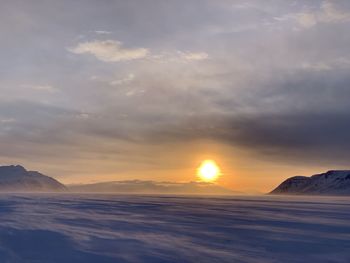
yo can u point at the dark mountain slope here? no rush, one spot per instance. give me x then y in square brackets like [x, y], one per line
[335, 182]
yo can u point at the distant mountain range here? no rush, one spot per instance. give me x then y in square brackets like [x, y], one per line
[15, 178]
[336, 182]
[152, 187]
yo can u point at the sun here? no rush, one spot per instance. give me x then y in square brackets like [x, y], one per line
[208, 171]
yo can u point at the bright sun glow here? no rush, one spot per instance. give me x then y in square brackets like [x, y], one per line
[208, 171]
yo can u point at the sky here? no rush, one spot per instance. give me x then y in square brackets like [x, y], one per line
[100, 90]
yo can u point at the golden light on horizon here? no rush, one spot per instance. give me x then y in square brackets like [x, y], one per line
[208, 171]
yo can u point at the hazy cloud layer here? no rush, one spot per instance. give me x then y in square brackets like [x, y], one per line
[151, 187]
[128, 79]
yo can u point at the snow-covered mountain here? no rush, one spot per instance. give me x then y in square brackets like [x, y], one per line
[336, 182]
[17, 178]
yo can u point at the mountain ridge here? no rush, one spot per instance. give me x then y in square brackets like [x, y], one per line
[332, 182]
[15, 178]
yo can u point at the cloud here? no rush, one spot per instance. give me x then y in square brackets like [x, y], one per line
[328, 13]
[194, 55]
[113, 51]
[316, 66]
[109, 51]
[178, 57]
[9, 120]
[205, 76]
[102, 32]
[130, 77]
[44, 88]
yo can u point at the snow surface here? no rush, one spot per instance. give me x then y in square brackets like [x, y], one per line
[113, 228]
